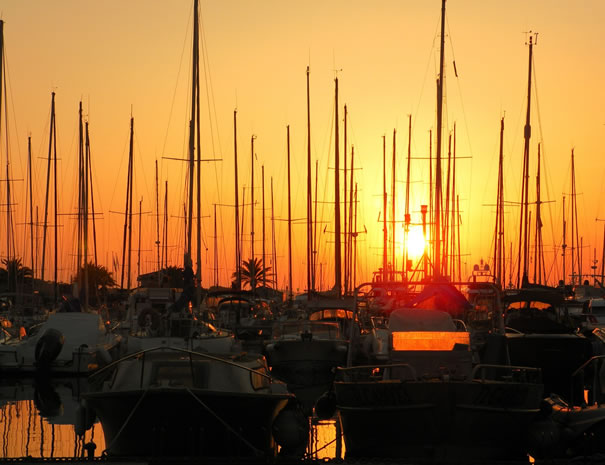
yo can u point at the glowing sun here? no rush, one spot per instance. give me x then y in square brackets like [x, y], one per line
[415, 243]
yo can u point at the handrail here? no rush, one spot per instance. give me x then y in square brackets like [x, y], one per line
[177, 349]
[484, 366]
[580, 370]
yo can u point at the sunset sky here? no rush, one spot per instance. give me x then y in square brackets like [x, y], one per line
[134, 56]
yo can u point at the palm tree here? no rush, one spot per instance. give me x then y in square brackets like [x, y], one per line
[99, 278]
[252, 272]
[14, 273]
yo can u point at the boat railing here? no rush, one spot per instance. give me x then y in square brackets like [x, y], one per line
[107, 369]
[376, 372]
[515, 374]
[594, 370]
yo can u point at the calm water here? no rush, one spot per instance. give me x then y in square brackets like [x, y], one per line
[37, 419]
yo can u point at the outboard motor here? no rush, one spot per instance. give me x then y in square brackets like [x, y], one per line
[291, 430]
[48, 347]
[325, 407]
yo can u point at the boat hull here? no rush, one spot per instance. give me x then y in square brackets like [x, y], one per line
[306, 366]
[177, 422]
[437, 420]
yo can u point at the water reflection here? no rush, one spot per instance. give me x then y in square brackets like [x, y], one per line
[38, 417]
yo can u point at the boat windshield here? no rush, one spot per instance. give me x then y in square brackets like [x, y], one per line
[294, 330]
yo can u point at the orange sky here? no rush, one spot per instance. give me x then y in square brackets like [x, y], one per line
[117, 56]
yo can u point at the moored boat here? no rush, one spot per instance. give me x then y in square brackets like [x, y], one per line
[68, 342]
[430, 401]
[169, 402]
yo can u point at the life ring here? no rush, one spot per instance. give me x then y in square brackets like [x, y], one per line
[154, 316]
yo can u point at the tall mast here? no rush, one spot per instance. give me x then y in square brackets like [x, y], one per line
[215, 250]
[290, 292]
[574, 225]
[446, 214]
[263, 229]
[385, 231]
[139, 238]
[198, 231]
[165, 235]
[564, 245]
[273, 243]
[238, 250]
[157, 223]
[85, 196]
[337, 248]
[31, 205]
[81, 181]
[407, 217]
[91, 195]
[523, 228]
[393, 218]
[499, 236]
[310, 258]
[437, 260]
[603, 258]
[351, 284]
[345, 221]
[127, 209]
[192, 120]
[252, 195]
[52, 146]
[539, 254]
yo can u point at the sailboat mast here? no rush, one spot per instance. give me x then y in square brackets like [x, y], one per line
[198, 231]
[91, 195]
[252, 197]
[273, 243]
[49, 164]
[539, 254]
[574, 222]
[310, 265]
[603, 258]
[393, 210]
[290, 291]
[437, 260]
[564, 245]
[85, 215]
[351, 282]
[407, 217]
[56, 202]
[263, 219]
[499, 242]
[128, 204]
[523, 232]
[337, 247]
[139, 238]
[165, 241]
[238, 250]
[215, 250]
[385, 231]
[345, 221]
[157, 223]
[31, 206]
[81, 181]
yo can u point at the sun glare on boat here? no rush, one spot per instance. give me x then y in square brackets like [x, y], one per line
[415, 243]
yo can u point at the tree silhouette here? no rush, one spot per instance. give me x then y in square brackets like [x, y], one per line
[14, 273]
[252, 273]
[98, 278]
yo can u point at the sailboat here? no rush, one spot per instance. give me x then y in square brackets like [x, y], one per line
[169, 401]
[429, 400]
